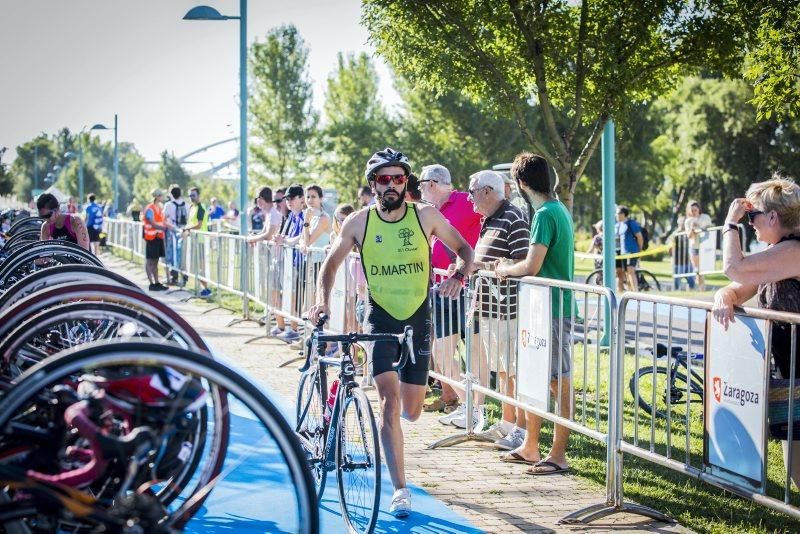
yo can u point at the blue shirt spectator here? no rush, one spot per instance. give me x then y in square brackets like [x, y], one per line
[215, 211]
[626, 233]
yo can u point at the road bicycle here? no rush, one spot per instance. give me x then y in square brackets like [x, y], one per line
[647, 281]
[337, 426]
[668, 388]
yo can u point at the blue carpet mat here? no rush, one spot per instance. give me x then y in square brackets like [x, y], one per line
[257, 495]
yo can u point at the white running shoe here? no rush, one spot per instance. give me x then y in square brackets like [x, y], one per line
[478, 418]
[447, 419]
[494, 432]
[401, 503]
[513, 441]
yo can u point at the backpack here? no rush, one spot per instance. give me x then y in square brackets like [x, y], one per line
[181, 214]
[645, 236]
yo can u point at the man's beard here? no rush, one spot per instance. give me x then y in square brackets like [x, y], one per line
[391, 205]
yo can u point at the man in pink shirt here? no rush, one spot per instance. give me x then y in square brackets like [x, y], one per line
[436, 187]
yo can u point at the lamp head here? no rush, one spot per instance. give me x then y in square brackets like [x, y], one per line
[98, 127]
[204, 13]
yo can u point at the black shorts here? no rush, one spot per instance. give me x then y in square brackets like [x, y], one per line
[628, 262]
[385, 353]
[448, 316]
[154, 249]
[94, 235]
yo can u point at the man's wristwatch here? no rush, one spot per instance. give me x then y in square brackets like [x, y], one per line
[458, 275]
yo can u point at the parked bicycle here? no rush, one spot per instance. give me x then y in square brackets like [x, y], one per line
[337, 426]
[647, 280]
[668, 388]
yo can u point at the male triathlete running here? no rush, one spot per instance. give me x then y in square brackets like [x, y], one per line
[394, 238]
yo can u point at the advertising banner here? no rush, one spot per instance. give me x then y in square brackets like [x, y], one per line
[735, 400]
[708, 251]
[338, 301]
[533, 347]
[286, 285]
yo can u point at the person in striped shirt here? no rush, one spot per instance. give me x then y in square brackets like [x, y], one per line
[504, 235]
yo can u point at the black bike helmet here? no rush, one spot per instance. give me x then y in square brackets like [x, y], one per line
[386, 158]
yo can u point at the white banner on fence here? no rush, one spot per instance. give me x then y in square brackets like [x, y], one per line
[287, 286]
[708, 251]
[339, 300]
[735, 399]
[533, 349]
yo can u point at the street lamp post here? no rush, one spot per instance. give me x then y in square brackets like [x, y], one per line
[209, 13]
[115, 183]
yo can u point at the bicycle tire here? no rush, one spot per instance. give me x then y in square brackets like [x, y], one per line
[19, 224]
[23, 261]
[358, 452]
[23, 237]
[595, 278]
[60, 274]
[311, 404]
[103, 355]
[648, 278]
[696, 388]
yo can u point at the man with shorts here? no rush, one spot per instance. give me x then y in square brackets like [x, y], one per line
[155, 226]
[629, 236]
[393, 237]
[437, 189]
[94, 222]
[551, 255]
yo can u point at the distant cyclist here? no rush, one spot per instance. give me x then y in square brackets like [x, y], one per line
[393, 237]
[94, 222]
[62, 226]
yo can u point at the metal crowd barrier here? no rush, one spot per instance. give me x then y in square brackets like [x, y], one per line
[679, 430]
[708, 256]
[482, 350]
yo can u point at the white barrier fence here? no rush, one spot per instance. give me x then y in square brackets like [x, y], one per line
[566, 353]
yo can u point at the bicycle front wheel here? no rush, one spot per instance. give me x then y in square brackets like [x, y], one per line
[310, 426]
[358, 463]
[647, 281]
[654, 385]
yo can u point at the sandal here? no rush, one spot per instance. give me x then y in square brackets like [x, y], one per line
[513, 457]
[438, 405]
[555, 469]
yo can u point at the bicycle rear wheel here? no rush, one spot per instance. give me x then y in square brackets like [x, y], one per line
[595, 278]
[358, 462]
[647, 281]
[649, 382]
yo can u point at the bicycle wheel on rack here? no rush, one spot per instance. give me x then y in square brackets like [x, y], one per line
[647, 281]
[649, 382]
[358, 462]
[155, 389]
[60, 274]
[25, 223]
[40, 255]
[311, 426]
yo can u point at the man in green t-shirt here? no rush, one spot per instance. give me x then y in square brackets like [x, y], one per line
[551, 255]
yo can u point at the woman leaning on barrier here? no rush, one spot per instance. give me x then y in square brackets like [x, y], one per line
[773, 209]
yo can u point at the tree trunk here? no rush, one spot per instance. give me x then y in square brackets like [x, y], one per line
[566, 185]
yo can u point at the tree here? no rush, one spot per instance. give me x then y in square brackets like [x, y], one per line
[169, 172]
[773, 65]
[6, 179]
[582, 63]
[451, 130]
[282, 118]
[355, 123]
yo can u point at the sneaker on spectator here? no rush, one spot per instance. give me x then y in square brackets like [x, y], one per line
[478, 418]
[297, 345]
[401, 503]
[458, 412]
[205, 292]
[158, 286]
[276, 331]
[494, 432]
[289, 335]
[512, 441]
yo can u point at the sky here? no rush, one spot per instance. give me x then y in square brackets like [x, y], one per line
[173, 83]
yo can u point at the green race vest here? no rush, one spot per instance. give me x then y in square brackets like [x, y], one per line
[193, 217]
[396, 258]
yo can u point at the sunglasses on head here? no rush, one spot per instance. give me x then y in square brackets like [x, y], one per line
[397, 179]
[752, 214]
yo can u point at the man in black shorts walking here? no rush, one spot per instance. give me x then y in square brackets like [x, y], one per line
[394, 238]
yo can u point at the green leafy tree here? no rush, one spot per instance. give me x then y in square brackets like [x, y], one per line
[282, 119]
[355, 123]
[6, 178]
[581, 63]
[169, 172]
[773, 65]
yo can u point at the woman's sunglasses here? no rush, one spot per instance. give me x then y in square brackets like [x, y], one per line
[752, 214]
[397, 179]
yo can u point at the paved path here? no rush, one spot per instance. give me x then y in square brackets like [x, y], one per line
[469, 478]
